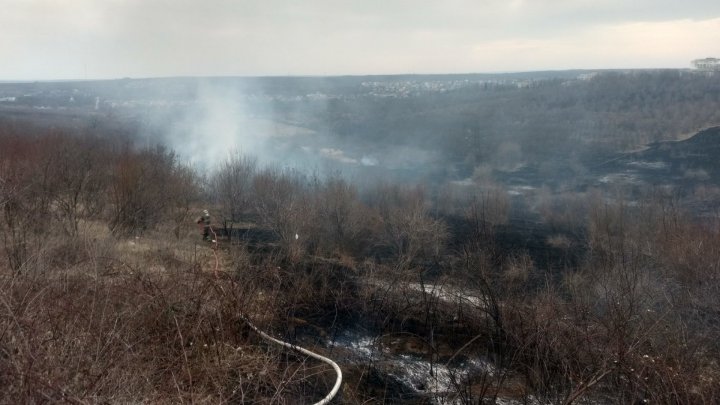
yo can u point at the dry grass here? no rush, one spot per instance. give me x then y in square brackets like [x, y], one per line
[131, 322]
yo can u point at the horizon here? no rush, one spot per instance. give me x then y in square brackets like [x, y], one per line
[319, 76]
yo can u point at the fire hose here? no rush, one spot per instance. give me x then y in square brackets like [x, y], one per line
[338, 381]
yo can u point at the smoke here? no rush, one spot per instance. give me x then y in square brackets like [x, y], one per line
[215, 124]
[278, 127]
[235, 116]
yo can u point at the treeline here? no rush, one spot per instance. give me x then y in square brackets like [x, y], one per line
[54, 182]
[51, 182]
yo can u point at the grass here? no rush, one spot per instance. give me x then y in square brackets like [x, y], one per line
[132, 321]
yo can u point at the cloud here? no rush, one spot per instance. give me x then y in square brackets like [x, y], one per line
[338, 155]
[625, 45]
[369, 161]
[118, 38]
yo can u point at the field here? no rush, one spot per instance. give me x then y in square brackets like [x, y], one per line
[447, 249]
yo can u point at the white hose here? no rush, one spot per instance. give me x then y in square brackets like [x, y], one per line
[338, 380]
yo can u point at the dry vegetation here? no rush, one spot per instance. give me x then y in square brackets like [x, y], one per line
[108, 295]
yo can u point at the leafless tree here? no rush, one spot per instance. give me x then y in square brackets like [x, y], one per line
[232, 184]
[407, 227]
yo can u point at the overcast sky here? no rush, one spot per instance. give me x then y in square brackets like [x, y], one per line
[77, 39]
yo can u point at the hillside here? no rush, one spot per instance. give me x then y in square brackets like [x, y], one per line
[541, 275]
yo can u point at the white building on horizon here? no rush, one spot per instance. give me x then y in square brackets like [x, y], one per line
[707, 64]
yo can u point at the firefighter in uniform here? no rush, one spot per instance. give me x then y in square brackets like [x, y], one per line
[204, 220]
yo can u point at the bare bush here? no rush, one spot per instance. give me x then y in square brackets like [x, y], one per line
[106, 330]
[232, 185]
[407, 227]
[145, 187]
[80, 175]
[565, 210]
[342, 219]
[28, 190]
[282, 204]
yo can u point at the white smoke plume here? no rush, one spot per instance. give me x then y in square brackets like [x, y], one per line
[215, 124]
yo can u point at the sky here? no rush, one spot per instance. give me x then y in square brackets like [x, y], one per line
[98, 39]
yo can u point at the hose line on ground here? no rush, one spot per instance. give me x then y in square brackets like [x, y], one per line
[338, 381]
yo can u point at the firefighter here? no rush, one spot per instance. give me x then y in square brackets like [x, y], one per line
[204, 220]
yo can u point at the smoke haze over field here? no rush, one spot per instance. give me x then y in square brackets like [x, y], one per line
[217, 124]
[409, 126]
[226, 117]
[86, 39]
[442, 127]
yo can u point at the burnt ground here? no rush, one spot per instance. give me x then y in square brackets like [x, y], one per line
[686, 171]
[700, 152]
[680, 164]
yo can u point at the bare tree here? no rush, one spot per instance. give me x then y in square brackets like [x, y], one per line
[282, 204]
[232, 184]
[81, 174]
[145, 187]
[340, 213]
[407, 227]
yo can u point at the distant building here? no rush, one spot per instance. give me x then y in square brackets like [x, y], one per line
[707, 64]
